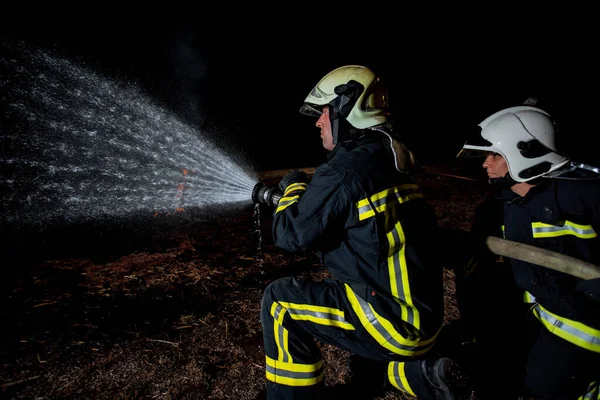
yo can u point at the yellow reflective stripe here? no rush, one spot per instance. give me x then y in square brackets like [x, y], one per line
[397, 267]
[398, 194]
[294, 374]
[383, 330]
[528, 297]
[310, 307]
[382, 207]
[572, 331]
[293, 367]
[318, 314]
[396, 261]
[397, 377]
[294, 186]
[285, 202]
[542, 230]
[280, 333]
[592, 393]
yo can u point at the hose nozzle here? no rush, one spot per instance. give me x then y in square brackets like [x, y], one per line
[267, 195]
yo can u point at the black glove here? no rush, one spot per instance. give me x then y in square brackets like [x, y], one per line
[295, 176]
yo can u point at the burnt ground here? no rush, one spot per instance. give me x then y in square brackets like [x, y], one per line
[165, 309]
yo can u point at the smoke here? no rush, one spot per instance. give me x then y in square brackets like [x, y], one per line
[190, 72]
[187, 59]
[198, 93]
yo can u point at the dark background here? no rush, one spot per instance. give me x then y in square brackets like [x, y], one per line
[248, 74]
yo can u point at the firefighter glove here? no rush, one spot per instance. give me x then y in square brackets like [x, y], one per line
[294, 176]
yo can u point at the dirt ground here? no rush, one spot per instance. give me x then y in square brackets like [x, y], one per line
[165, 309]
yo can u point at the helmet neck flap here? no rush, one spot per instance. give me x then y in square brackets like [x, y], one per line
[347, 96]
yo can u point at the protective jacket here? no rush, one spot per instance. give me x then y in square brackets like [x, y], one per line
[562, 216]
[376, 235]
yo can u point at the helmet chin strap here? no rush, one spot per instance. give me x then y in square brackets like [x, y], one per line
[505, 182]
[341, 130]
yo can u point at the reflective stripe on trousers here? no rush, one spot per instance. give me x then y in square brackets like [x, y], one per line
[572, 331]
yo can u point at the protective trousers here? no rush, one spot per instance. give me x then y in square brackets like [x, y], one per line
[294, 313]
[559, 370]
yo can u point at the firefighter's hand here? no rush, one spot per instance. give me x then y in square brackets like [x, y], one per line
[295, 176]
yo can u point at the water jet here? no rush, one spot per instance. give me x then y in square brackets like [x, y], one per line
[80, 146]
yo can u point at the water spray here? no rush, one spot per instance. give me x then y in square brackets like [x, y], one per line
[81, 146]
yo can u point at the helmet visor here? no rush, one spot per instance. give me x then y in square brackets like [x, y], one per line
[467, 152]
[311, 110]
[476, 146]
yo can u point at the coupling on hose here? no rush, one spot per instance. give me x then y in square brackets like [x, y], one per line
[267, 195]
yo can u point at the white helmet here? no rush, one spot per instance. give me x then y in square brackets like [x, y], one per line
[354, 92]
[525, 136]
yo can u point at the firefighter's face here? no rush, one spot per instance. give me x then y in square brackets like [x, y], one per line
[495, 165]
[324, 123]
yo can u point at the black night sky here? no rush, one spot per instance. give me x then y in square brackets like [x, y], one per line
[249, 75]
[122, 275]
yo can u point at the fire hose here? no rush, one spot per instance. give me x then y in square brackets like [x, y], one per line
[542, 257]
[270, 196]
